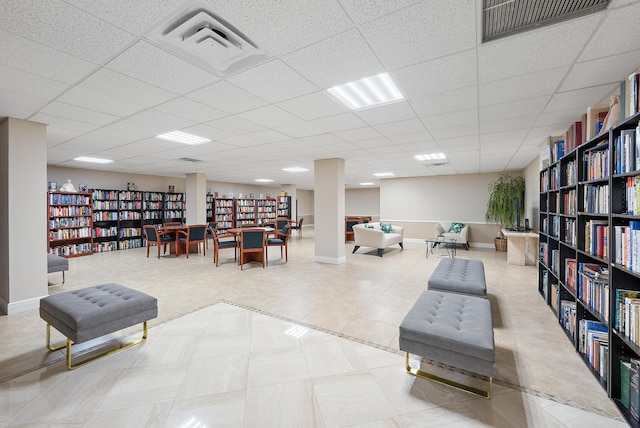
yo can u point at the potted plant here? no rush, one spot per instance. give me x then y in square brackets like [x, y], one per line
[501, 207]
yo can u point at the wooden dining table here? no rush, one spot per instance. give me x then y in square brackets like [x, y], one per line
[176, 247]
[267, 230]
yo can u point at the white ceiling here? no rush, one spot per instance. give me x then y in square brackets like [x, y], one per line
[87, 69]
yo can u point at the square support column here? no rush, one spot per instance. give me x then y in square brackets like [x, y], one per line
[196, 197]
[328, 200]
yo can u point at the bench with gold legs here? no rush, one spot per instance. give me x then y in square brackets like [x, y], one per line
[452, 329]
[92, 312]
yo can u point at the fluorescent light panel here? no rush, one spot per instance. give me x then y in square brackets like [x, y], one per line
[367, 92]
[90, 159]
[430, 156]
[384, 174]
[295, 169]
[367, 184]
[263, 180]
[182, 137]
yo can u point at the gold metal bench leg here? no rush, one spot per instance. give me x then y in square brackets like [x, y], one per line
[64, 278]
[429, 376]
[69, 342]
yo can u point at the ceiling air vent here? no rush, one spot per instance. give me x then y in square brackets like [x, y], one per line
[207, 40]
[502, 18]
[191, 160]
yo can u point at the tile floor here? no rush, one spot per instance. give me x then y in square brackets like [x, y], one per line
[298, 344]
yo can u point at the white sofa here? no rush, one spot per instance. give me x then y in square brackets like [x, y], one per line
[371, 235]
[441, 231]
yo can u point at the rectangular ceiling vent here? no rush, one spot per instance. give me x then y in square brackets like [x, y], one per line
[202, 38]
[502, 18]
[191, 160]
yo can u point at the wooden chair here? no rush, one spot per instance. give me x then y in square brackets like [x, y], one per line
[220, 241]
[279, 224]
[157, 238]
[298, 226]
[348, 228]
[195, 234]
[211, 231]
[252, 246]
[281, 240]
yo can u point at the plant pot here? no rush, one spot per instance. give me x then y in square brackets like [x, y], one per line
[501, 244]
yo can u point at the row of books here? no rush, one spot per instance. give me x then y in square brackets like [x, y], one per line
[69, 222]
[596, 238]
[72, 249]
[570, 235]
[544, 181]
[567, 316]
[570, 173]
[557, 150]
[569, 202]
[627, 246]
[554, 296]
[554, 178]
[571, 274]
[105, 205]
[596, 198]
[626, 151]
[628, 314]
[596, 163]
[105, 232]
[593, 287]
[632, 195]
[69, 211]
[101, 247]
[84, 232]
[555, 261]
[593, 343]
[130, 243]
[69, 199]
[555, 226]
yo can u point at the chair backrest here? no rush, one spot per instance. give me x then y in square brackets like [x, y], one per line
[172, 223]
[252, 239]
[300, 222]
[196, 232]
[151, 232]
[350, 224]
[286, 231]
[280, 223]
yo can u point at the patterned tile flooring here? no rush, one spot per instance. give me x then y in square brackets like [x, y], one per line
[298, 344]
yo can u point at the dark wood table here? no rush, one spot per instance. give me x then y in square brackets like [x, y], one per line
[176, 247]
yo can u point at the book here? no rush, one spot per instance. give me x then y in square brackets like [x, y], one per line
[634, 391]
[625, 382]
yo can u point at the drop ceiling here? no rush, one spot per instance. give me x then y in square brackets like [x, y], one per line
[96, 75]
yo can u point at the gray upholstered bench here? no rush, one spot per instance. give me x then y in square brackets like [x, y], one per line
[459, 276]
[453, 329]
[57, 264]
[91, 312]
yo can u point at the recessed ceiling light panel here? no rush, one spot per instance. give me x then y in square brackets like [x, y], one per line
[430, 156]
[263, 180]
[367, 184]
[384, 174]
[367, 92]
[295, 169]
[90, 159]
[182, 137]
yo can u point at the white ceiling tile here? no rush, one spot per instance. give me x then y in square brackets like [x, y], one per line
[451, 119]
[601, 71]
[64, 123]
[618, 33]
[273, 81]
[161, 121]
[150, 64]
[323, 140]
[313, 106]
[528, 107]
[339, 122]
[227, 97]
[207, 131]
[531, 51]
[111, 83]
[422, 32]
[26, 55]
[86, 98]
[29, 84]
[562, 118]
[456, 131]
[236, 125]
[78, 113]
[134, 17]
[358, 134]
[57, 136]
[579, 98]
[300, 129]
[411, 138]
[363, 11]
[340, 59]
[387, 113]
[189, 109]
[63, 27]
[402, 127]
[445, 102]
[512, 136]
[521, 123]
[284, 26]
[439, 75]
[19, 105]
[270, 116]
[522, 87]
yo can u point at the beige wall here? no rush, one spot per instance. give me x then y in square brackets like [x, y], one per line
[362, 202]
[532, 194]
[305, 206]
[418, 203]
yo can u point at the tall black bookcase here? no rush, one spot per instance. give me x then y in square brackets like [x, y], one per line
[589, 264]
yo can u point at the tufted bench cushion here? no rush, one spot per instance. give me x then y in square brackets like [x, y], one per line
[453, 329]
[92, 312]
[56, 263]
[459, 276]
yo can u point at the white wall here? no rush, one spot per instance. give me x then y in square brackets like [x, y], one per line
[532, 193]
[362, 202]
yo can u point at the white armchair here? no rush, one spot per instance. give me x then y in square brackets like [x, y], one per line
[443, 230]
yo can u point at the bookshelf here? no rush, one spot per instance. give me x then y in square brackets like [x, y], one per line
[105, 220]
[266, 211]
[224, 213]
[284, 206]
[152, 207]
[174, 207]
[70, 224]
[589, 262]
[245, 212]
[210, 208]
[130, 219]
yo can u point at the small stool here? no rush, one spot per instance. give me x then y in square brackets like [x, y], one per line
[91, 312]
[459, 276]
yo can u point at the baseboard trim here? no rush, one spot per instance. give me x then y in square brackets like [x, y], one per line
[330, 260]
[23, 305]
